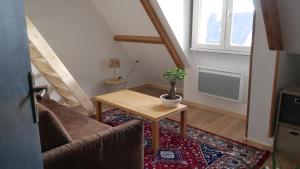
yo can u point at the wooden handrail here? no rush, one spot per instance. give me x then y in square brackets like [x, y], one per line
[140, 39]
[162, 33]
[39, 48]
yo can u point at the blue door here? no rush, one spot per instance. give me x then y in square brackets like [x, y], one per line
[19, 135]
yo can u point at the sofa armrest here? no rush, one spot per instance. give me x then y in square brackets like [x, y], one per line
[120, 147]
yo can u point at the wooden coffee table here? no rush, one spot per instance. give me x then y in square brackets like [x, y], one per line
[146, 106]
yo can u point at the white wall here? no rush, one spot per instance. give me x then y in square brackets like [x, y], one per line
[175, 16]
[262, 71]
[227, 62]
[154, 60]
[128, 17]
[288, 71]
[178, 14]
[82, 40]
[70, 32]
[262, 83]
[40, 80]
[174, 12]
[264, 68]
[290, 25]
[125, 17]
[288, 75]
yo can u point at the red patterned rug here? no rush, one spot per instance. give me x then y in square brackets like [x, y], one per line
[198, 150]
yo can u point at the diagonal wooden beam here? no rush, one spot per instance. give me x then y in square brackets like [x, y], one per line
[162, 33]
[139, 39]
[40, 48]
[270, 13]
[274, 96]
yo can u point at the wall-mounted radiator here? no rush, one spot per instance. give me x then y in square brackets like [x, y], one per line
[222, 84]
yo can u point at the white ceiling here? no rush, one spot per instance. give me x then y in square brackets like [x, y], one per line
[128, 17]
[125, 17]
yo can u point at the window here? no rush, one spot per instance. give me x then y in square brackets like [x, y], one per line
[223, 25]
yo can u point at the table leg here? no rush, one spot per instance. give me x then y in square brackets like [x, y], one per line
[99, 111]
[183, 120]
[155, 135]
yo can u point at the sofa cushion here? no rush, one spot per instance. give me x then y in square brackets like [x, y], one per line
[52, 132]
[78, 125]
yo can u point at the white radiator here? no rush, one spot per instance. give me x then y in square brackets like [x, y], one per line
[222, 84]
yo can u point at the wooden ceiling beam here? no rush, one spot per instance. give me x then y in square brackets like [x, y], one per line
[162, 33]
[270, 13]
[138, 39]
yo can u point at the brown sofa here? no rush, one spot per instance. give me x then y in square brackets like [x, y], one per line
[70, 140]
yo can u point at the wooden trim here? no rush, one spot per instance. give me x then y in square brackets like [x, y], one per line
[215, 110]
[157, 86]
[274, 96]
[162, 33]
[250, 74]
[271, 16]
[258, 145]
[165, 87]
[139, 87]
[139, 39]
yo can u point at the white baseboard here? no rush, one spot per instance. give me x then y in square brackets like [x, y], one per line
[259, 145]
[164, 87]
[215, 110]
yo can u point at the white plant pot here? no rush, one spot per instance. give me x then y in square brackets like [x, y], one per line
[170, 103]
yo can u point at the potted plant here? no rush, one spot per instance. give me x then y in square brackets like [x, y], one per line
[172, 99]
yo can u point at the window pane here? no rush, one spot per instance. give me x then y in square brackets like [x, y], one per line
[210, 21]
[242, 20]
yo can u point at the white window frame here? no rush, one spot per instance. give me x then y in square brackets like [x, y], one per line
[224, 46]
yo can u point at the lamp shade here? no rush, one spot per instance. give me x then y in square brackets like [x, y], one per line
[114, 63]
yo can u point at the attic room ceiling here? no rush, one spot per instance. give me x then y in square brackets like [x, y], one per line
[132, 19]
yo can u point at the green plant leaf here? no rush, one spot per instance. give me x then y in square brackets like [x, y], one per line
[174, 75]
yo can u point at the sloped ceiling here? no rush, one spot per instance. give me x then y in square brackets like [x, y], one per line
[125, 17]
[83, 42]
[128, 17]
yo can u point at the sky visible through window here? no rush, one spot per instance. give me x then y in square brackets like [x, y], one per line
[242, 20]
[210, 21]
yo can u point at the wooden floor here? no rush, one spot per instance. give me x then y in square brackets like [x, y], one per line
[226, 126]
[219, 124]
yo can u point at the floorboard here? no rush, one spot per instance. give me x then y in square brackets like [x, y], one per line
[226, 126]
[220, 124]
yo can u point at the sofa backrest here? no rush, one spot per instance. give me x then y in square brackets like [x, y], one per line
[52, 132]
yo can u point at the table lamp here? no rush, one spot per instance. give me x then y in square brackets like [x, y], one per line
[114, 63]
